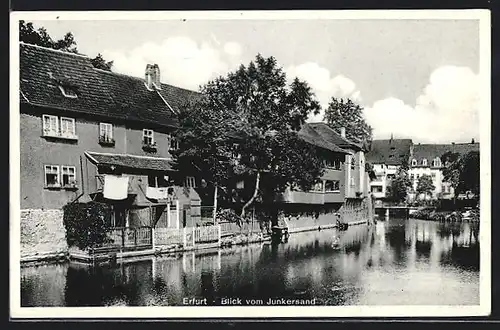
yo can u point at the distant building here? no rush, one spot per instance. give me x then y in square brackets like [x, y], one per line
[387, 156]
[427, 160]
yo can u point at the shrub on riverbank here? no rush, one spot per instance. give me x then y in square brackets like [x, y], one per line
[429, 214]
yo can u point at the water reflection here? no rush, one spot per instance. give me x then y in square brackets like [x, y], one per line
[395, 262]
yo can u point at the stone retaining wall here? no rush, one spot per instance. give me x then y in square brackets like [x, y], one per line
[42, 233]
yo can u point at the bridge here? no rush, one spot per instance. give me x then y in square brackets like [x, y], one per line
[388, 206]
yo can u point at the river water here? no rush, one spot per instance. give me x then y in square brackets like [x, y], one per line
[395, 262]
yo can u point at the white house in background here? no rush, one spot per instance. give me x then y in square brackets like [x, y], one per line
[426, 159]
[387, 156]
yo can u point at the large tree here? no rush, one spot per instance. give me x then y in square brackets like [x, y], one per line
[425, 185]
[346, 113]
[397, 190]
[28, 34]
[463, 174]
[245, 125]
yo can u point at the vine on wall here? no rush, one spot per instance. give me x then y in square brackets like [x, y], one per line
[87, 224]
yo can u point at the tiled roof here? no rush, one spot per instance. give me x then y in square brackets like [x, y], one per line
[131, 161]
[333, 137]
[310, 135]
[99, 92]
[432, 151]
[389, 152]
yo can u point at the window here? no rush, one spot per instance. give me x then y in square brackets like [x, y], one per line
[190, 182]
[63, 127]
[68, 176]
[148, 137]
[106, 131]
[332, 186]
[52, 176]
[50, 125]
[352, 163]
[433, 175]
[173, 144]
[424, 162]
[413, 162]
[67, 127]
[68, 92]
[317, 187]
[412, 177]
[155, 181]
[436, 162]
[377, 189]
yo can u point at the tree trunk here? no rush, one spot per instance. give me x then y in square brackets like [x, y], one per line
[254, 195]
[215, 204]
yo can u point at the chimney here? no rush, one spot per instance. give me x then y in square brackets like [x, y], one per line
[149, 76]
[342, 132]
[156, 76]
[472, 141]
[152, 76]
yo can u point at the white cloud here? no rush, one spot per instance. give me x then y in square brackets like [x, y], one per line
[183, 62]
[324, 85]
[447, 110]
[233, 48]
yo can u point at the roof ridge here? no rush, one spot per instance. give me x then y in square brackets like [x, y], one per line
[54, 50]
[185, 89]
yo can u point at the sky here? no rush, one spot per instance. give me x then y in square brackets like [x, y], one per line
[415, 79]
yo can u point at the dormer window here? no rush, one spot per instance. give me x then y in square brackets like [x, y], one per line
[424, 162]
[436, 162]
[68, 91]
[413, 162]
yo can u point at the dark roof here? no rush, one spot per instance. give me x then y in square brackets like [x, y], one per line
[99, 92]
[389, 152]
[432, 151]
[308, 134]
[131, 161]
[333, 137]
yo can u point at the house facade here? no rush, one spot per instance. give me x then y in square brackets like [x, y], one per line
[387, 156]
[88, 134]
[427, 160]
[344, 177]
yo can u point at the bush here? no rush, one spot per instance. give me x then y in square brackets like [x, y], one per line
[86, 224]
[227, 215]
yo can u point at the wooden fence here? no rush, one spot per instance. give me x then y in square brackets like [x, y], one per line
[130, 237]
[231, 228]
[187, 236]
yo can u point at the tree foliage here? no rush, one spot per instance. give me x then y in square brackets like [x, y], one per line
[463, 173]
[425, 185]
[86, 224]
[345, 113]
[246, 125]
[40, 37]
[397, 191]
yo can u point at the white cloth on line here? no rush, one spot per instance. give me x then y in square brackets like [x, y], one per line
[115, 187]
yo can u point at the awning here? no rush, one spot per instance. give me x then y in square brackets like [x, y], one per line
[131, 161]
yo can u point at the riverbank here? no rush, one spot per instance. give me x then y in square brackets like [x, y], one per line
[447, 216]
[80, 256]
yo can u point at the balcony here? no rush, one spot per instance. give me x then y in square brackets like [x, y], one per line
[106, 141]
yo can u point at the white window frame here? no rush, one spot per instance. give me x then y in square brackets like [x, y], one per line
[333, 191]
[437, 162]
[190, 182]
[57, 172]
[424, 162]
[68, 134]
[149, 133]
[51, 131]
[106, 130]
[64, 168]
[171, 139]
[413, 162]
[65, 90]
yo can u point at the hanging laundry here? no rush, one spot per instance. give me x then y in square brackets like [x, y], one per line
[115, 187]
[157, 193]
